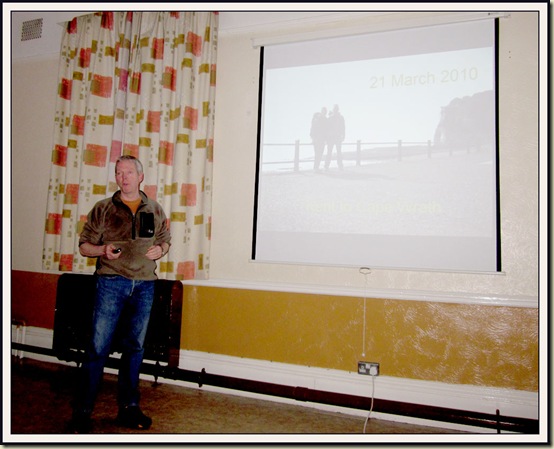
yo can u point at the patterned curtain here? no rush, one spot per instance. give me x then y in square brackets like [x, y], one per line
[140, 83]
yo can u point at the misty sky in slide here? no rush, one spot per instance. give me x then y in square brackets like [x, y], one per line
[380, 99]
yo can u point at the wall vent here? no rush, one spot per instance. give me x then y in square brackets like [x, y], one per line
[31, 29]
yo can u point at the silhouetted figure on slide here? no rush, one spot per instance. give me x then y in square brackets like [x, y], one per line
[318, 133]
[335, 136]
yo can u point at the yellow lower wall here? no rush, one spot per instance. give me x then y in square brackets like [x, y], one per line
[459, 344]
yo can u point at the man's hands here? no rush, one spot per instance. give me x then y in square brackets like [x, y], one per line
[155, 252]
[89, 250]
[113, 252]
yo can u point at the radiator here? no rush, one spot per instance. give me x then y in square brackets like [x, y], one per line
[19, 328]
[73, 317]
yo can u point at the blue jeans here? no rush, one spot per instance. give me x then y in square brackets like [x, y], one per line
[123, 303]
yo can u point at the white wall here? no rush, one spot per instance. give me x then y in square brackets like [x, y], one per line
[33, 88]
[33, 97]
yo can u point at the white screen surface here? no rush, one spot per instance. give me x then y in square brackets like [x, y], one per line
[416, 185]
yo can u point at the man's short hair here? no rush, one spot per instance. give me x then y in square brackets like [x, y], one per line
[128, 157]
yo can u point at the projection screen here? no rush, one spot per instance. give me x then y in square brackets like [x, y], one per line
[380, 151]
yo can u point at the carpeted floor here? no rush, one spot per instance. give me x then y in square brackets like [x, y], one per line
[41, 394]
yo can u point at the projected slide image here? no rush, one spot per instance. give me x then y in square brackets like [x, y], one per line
[374, 148]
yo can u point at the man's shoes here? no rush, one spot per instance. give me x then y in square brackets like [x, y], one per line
[132, 417]
[80, 423]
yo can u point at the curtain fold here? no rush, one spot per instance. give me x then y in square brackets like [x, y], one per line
[140, 83]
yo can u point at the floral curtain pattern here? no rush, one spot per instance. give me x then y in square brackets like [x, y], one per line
[140, 83]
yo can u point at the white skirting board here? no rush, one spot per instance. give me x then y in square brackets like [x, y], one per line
[520, 404]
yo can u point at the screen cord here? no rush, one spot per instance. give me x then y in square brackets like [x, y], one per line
[365, 271]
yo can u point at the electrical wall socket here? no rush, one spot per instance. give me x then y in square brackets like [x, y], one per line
[368, 368]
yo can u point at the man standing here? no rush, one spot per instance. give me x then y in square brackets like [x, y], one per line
[127, 233]
[336, 137]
